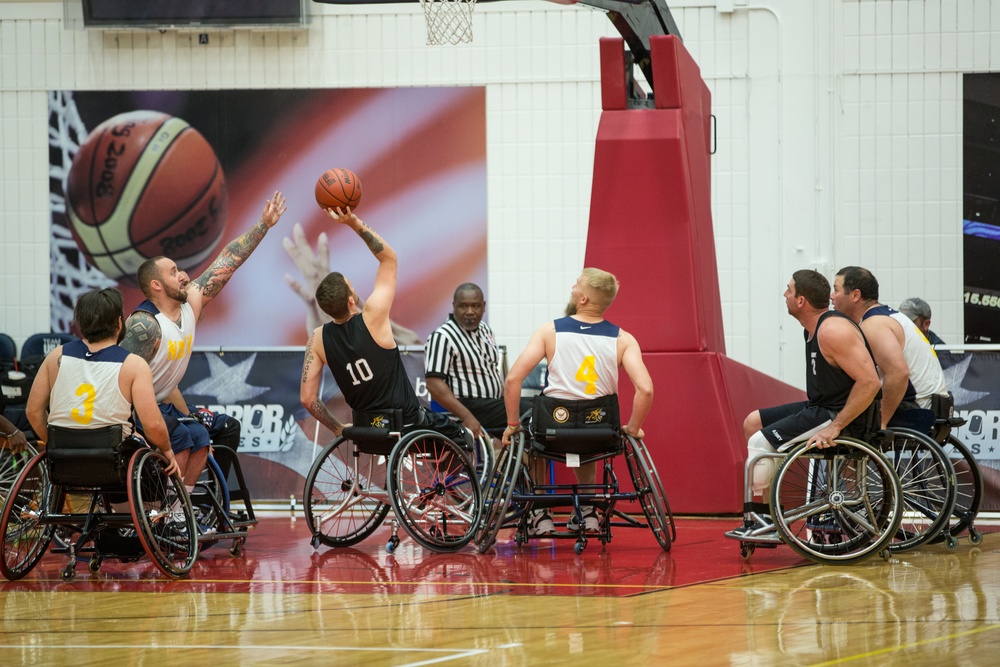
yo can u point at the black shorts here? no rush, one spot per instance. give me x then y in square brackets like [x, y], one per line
[783, 423]
[491, 412]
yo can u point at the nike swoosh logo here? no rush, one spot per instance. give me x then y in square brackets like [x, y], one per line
[585, 327]
[88, 354]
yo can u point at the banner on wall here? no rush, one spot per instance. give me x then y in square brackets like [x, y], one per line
[974, 380]
[136, 174]
[279, 439]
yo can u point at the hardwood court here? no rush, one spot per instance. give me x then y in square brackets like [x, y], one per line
[629, 604]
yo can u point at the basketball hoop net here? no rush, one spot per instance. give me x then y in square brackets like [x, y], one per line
[448, 21]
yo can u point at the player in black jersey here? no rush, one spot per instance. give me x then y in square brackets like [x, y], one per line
[841, 384]
[359, 348]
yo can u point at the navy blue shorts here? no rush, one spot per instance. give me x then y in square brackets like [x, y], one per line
[784, 423]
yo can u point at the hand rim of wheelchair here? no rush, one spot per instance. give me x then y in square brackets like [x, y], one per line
[27, 520]
[863, 535]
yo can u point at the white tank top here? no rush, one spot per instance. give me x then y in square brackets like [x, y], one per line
[172, 357]
[926, 375]
[86, 392]
[585, 362]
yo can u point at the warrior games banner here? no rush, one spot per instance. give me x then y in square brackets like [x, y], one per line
[974, 380]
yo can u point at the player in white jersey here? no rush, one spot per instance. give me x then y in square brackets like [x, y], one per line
[584, 353]
[162, 331]
[94, 382]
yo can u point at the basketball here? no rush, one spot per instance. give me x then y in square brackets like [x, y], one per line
[338, 187]
[145, 184]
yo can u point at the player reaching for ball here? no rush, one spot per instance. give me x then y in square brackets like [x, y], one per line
[358, 347]
[161, 331]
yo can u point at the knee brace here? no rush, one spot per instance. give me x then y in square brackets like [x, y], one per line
[763, 469]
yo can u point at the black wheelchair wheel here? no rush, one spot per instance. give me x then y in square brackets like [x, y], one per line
[338, 506]
[162, 513]
[968, 486]
[498, 491]
[25, 535]
[648, 487]
[838, 505]
[928, 482]
[434, 491]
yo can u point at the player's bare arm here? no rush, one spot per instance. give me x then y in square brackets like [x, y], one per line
[635, 368]
[888, 351]
[843, 346]
[312, 370]
[218, 273]
[142, 335]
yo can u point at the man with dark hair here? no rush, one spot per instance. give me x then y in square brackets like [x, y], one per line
[462, 364]
[911, 372]
[94, 382]
[162, 329]
[359, 347]
[919, 312]
[841, 384]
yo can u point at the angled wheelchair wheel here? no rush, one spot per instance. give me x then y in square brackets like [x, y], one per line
[652, 498]
[11, 466]
[968, 487]
[162, 513]
[434, 491]
[927, 479]
[483, 458]
[342, 504]
[838, 505]
[498, 491]
[25, 535]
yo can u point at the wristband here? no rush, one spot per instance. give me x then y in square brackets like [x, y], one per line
[513, 424]
[8, 436]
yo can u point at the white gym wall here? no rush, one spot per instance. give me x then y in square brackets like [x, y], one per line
[839, 137]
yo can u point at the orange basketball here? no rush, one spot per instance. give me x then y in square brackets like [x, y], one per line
[145, 184]
[338, 188]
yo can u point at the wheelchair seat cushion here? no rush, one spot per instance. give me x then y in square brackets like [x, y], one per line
[371, 430]
[587, 426]
[86, 457]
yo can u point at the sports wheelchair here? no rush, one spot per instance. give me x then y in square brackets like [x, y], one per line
[430, 482]
[72, 493]
[968, 479]
[573, 433]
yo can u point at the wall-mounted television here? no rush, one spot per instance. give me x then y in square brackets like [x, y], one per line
[192, 13]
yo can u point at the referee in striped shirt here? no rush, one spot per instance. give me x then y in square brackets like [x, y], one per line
[462, 364]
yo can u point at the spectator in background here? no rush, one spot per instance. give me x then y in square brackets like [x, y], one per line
[919, 311]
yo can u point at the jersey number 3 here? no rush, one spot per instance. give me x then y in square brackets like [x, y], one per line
[84, 413]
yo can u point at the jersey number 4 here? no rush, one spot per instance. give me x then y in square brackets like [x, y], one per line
[587, 373]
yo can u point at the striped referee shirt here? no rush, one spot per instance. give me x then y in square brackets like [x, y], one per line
[468, 361]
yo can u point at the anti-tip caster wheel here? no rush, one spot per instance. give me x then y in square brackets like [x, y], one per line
[391, 545]
[69, 572]
[579, 546]
[237, 549]
[94, 565]
[746, 550]
[950, 542]
[315, 542]
[975, 536]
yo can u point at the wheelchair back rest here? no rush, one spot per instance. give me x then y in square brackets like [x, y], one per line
[86, 457]
[561, 426]
[943, 406]
[920, 420]
[375, 432]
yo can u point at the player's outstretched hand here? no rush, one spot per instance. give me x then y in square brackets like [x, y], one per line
[273, 209]
[342, 216]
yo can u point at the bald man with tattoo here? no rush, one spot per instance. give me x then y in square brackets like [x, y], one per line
[359, 348]
[162, 329]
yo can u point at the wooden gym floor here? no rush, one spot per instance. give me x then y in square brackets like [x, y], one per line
[541, 604]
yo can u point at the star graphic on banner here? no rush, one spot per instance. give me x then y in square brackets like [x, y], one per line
[227, 383]
[955, 376]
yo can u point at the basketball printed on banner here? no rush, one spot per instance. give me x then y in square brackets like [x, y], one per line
[145, 184]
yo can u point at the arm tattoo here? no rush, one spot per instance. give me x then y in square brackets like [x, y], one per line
[307, 362]
[215, 277]
[371, 239]
[323, 415]
[142, 335]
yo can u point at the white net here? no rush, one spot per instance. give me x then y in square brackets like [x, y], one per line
[448, 21]
[71, 274]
